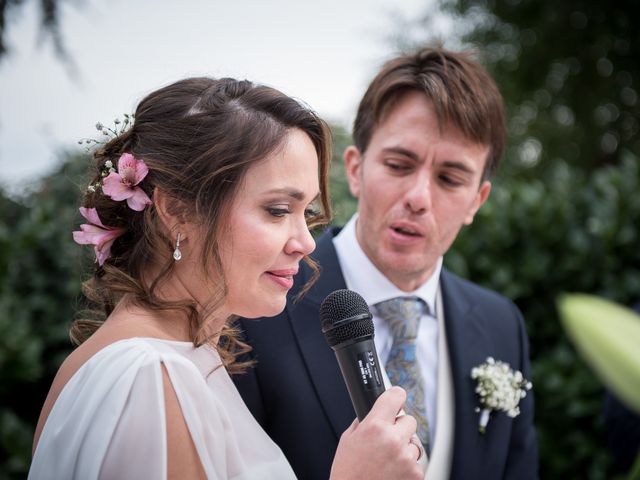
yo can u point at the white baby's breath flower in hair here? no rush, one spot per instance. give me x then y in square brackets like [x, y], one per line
[119, 127]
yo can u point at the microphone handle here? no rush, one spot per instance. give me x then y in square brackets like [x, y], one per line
[360, 369]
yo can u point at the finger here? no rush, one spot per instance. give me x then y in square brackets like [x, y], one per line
[353, 426]
[407, 426]
[388, 405]
[415, 442]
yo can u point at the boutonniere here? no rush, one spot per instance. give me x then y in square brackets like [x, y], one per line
[500, 389]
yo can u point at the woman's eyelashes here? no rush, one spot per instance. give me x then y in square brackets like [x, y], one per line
[283, 210]
[311, 211]
[278, 211]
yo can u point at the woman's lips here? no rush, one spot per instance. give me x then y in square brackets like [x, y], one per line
[284, 278]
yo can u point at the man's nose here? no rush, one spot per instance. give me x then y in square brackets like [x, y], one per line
[418, 194]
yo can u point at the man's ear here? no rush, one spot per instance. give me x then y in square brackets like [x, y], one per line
[353, 169]
[481, 197]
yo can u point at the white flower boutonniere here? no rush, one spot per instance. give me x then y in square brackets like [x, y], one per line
[499, 388]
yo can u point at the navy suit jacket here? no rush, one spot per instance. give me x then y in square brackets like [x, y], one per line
[296, 390]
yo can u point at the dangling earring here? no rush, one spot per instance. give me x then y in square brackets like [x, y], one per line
[177, 254]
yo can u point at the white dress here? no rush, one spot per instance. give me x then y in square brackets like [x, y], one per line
[109, 420]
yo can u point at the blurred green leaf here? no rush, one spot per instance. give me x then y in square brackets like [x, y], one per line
[608, 337]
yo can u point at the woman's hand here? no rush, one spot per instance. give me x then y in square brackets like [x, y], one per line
[380, 446]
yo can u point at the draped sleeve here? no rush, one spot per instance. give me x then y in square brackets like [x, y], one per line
[109, 419]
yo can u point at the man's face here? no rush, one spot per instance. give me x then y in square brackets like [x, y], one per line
[416, 185]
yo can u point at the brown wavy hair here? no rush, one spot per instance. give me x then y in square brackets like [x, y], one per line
[462, 92]
[198, 137]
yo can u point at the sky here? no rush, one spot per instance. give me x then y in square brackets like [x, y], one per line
[323, 53]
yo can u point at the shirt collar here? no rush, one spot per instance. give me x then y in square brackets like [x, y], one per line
[362, 276]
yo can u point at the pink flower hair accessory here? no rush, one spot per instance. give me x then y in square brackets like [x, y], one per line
[123, 184]
[96, 234]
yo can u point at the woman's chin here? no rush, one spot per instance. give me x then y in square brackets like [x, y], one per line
[264, 310]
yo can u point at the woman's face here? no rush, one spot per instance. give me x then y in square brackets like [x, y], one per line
[267, 234]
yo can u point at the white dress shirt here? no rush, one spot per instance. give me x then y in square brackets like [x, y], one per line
[361, 276]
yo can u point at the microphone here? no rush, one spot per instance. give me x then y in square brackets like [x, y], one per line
[347, 325]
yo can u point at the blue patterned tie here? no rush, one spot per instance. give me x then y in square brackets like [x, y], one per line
[402, 314]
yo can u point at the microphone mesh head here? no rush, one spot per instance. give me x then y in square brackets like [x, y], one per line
[335, 313]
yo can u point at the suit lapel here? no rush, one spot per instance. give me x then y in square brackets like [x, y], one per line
[320, 360]
[468, 341]
[466, 336]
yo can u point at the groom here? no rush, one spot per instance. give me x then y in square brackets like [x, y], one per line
[428, 135]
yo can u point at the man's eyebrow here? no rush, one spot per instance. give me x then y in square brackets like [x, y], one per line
[458, 165]
[402, 151]
[414, 156]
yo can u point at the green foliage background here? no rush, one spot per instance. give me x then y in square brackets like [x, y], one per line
[570, 232]
[40, 271]
[569, 73]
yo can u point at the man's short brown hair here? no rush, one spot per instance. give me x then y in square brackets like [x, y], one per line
[463, 94]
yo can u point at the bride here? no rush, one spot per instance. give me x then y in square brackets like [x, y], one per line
[197, 213]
